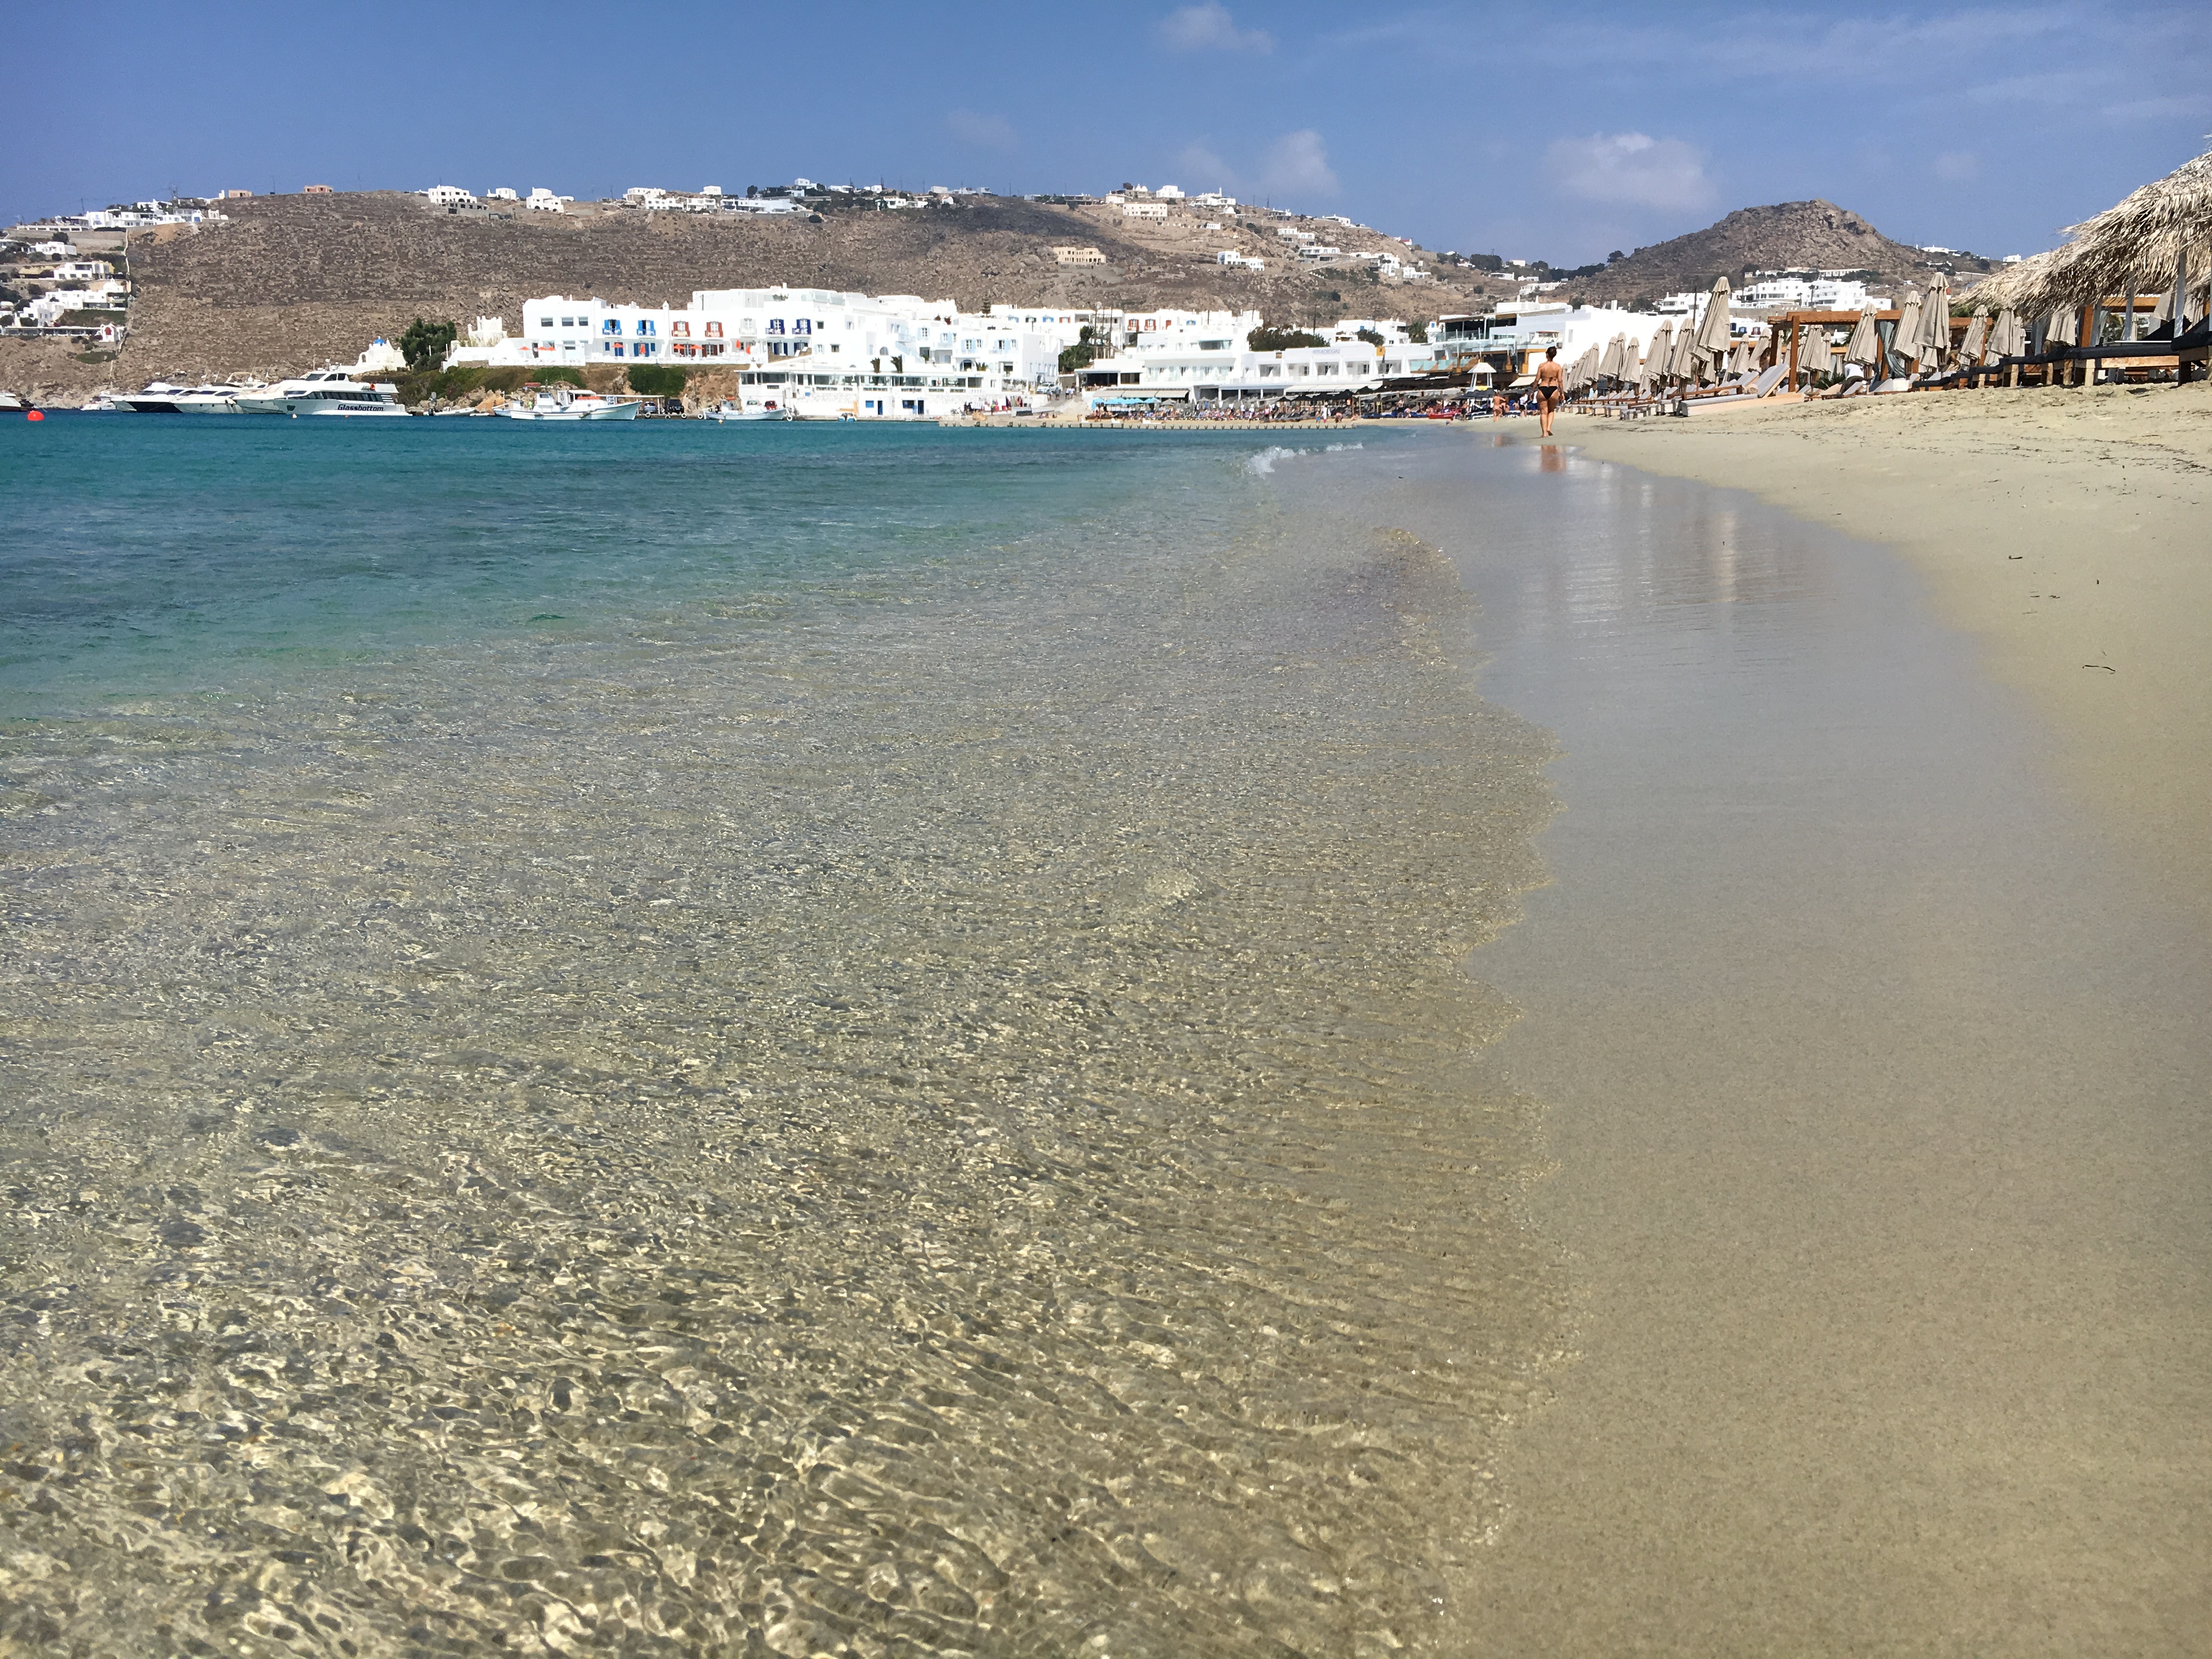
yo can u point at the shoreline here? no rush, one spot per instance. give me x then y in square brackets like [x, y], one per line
[1870, 1081]
[2063, 531]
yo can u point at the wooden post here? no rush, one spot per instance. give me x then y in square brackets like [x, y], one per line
[1792, 382]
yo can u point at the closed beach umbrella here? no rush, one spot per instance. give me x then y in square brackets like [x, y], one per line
[1609, 365]
[1662, 348]
[1906, 340]
[2006, 338]
[2065, 328]
[1936, 321]
[1977, 336]
[1814, 356]
[1685, 352]
[1586, 368]
[1713, 326]
[1865, 344]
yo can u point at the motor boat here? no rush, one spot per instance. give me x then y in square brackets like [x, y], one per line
[564, 403]
[731, 410]
[324, 392]
[160, 398]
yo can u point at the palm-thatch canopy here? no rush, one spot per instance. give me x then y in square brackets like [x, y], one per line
[2132, 246]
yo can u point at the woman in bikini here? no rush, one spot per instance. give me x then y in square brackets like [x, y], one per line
[1551, 387]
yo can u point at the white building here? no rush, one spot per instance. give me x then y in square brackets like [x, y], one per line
[821, 353]
[1224, 369]
[449, 195]
[1232, 256]
[502, 193]
[545, 201]
[1144, 211]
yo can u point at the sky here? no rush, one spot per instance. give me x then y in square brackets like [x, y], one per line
[1535, 132]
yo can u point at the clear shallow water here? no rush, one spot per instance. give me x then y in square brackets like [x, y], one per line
[661, 1040]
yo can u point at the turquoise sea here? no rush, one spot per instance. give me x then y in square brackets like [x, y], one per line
[665, 1040]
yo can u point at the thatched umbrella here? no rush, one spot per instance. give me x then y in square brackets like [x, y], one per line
[1865, 344]
[2135, 245]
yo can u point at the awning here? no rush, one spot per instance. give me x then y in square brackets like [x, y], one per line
[1526, 379]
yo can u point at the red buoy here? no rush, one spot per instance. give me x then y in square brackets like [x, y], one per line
[36, 415]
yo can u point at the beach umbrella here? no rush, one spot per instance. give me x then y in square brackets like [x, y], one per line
[1865, 344]
[1977, 336]
[2065, 327]
[1814, 356]
[1906, 341]
[1685, 352]
[1936, 322]
[1585, 368]
[1609, 365]
[1661, 348]
[2133, 245]
[1713, 326]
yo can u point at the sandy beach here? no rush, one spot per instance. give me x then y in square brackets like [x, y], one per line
[1870, 1069]
[2065, 531]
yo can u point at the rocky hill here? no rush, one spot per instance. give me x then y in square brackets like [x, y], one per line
[1786, 236]
[291, 282]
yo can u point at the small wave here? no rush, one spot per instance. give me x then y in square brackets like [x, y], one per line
[1262, 464]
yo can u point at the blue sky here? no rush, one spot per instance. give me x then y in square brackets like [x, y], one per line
[1533, 132]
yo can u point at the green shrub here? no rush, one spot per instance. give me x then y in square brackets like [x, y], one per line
[1267, 338]
[424, 345]
[559, 375]
[657, 379]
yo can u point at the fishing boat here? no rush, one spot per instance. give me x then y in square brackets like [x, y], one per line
[160, 398]
[731, 410]
[324, 392]
[563, 403]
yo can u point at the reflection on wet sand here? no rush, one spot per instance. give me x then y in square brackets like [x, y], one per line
[1876, 1086]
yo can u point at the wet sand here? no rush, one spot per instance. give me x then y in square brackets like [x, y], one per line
[2067, 532]
[1874, 1080]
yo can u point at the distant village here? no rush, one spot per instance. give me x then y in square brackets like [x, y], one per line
[814, 352]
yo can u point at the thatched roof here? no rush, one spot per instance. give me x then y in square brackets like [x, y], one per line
[2129, 246]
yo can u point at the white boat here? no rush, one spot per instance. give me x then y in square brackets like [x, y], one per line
[324, 392]
[160, 397]
[560, 403]
[731, 410]
[11, 404]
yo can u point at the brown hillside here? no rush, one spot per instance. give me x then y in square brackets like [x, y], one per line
[1785, 236]
[296, 281]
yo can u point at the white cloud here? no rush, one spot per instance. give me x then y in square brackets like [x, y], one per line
[1209, 27]
[1296, 164]
[1959, 167]
[1632, 168]
[985, 131]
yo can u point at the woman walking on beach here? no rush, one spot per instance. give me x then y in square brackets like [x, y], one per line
[1551, 386]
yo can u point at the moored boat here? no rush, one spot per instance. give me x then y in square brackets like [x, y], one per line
[324, 392]
[731, 410]
[160, 398]
[562, 403]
